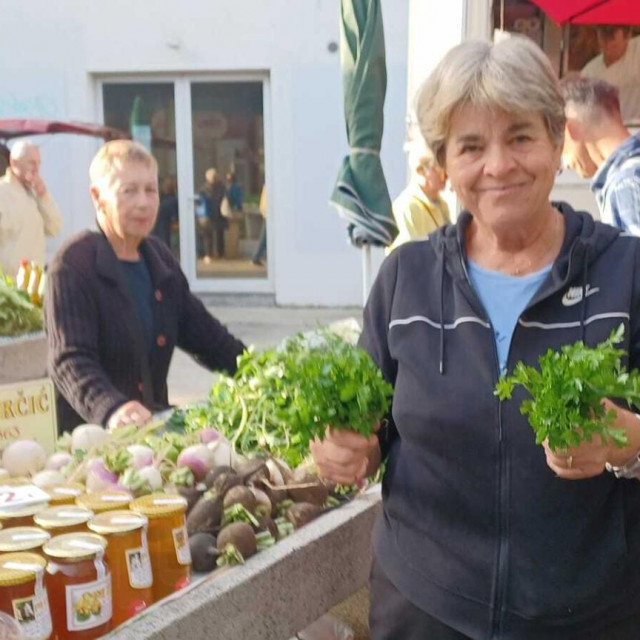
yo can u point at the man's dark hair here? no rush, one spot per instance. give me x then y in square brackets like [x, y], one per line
[590, 95]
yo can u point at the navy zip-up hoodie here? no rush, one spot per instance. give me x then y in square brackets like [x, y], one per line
[476, 529]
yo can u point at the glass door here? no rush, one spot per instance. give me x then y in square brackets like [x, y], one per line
[209, 140]
[227, 156]
[146, 111]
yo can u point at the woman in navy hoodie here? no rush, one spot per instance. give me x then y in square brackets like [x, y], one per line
[484, 534]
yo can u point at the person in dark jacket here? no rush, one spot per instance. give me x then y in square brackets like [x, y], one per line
[213, 192]
[118, 304]
[484, 534]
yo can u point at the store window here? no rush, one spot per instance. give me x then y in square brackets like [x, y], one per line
[610, 53]
[147, 112]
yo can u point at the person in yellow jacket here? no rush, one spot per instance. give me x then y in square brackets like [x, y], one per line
[420, 209]
[28, 211]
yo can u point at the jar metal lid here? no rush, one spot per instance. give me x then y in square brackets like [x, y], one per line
[8, 513]
[157, 505]
[75, 546]
[63, 516]
[20, 568]
[66, 491]
[117, 522]
[22, 539]
[104, 500]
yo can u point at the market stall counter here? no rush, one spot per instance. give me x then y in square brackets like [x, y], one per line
[275, 593]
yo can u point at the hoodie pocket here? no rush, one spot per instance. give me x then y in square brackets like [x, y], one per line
[574, 562]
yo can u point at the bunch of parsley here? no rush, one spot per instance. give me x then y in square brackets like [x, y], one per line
[281, 399]
[567, 390]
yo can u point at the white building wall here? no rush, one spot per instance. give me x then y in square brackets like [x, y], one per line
[52, 54]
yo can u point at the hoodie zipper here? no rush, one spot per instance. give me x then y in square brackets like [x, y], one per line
[500, 578]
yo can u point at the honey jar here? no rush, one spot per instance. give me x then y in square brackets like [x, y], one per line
[104, 500]
[20, 516]
[168, 542]
[64, 493]
[23, 595]
[64, 519]
[23, 539]
[129, 562]
[79, 585]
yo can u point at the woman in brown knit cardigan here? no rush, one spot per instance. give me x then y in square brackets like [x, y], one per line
[117, 303]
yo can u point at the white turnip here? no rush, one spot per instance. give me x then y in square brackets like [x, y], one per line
[209, 435]
[141, 456]
[99, 478]
[87, 436]
[152, 476]
[58, 461]
[48, 477]
[199, 458]
[223, 455]
[24, 458]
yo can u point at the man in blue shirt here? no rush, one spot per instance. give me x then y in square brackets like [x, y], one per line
[595, 131]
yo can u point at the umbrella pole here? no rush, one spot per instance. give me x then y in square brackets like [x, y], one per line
[366, 272]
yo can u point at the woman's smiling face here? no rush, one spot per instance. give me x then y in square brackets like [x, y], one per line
[501, 165]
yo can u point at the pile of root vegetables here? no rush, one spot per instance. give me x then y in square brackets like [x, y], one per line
[236, 506]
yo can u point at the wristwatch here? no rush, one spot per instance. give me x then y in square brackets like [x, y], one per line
[630, 469]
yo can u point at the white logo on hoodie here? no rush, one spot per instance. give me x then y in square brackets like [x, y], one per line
[574, 295]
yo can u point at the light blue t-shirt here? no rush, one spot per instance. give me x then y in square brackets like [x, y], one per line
[504, 298]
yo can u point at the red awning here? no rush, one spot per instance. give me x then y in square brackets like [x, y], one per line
[592, 11]
[18, 127]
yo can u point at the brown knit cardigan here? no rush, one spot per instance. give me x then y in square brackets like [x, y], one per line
[95, 353]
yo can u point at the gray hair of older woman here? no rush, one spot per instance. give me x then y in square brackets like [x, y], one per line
[513, 75]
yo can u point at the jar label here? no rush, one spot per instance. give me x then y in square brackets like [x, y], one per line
[33, 616]
[181, 543]
[139, 568]
[88, 604]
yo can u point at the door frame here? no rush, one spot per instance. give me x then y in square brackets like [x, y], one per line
[184, 162]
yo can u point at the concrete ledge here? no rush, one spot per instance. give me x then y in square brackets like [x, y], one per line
[276, 593]
[23, 358]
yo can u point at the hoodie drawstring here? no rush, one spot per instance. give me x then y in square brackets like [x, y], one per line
[583, 303]
[442, 267]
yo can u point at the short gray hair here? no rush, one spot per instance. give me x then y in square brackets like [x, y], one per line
[513, 75]
[589, 97]
[114, 154]
[21, 149]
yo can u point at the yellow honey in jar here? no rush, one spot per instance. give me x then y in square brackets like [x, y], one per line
[129, 561]
[168, 542]
[23, 595]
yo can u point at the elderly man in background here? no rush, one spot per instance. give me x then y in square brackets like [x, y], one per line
[619, 64]
[595, 131]
[28, 212]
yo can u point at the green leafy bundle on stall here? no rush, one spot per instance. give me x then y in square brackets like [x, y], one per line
[281, 399]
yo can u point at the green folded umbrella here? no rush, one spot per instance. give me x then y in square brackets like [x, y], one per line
[361, 193]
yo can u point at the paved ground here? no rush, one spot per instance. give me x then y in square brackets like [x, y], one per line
[260, 326]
